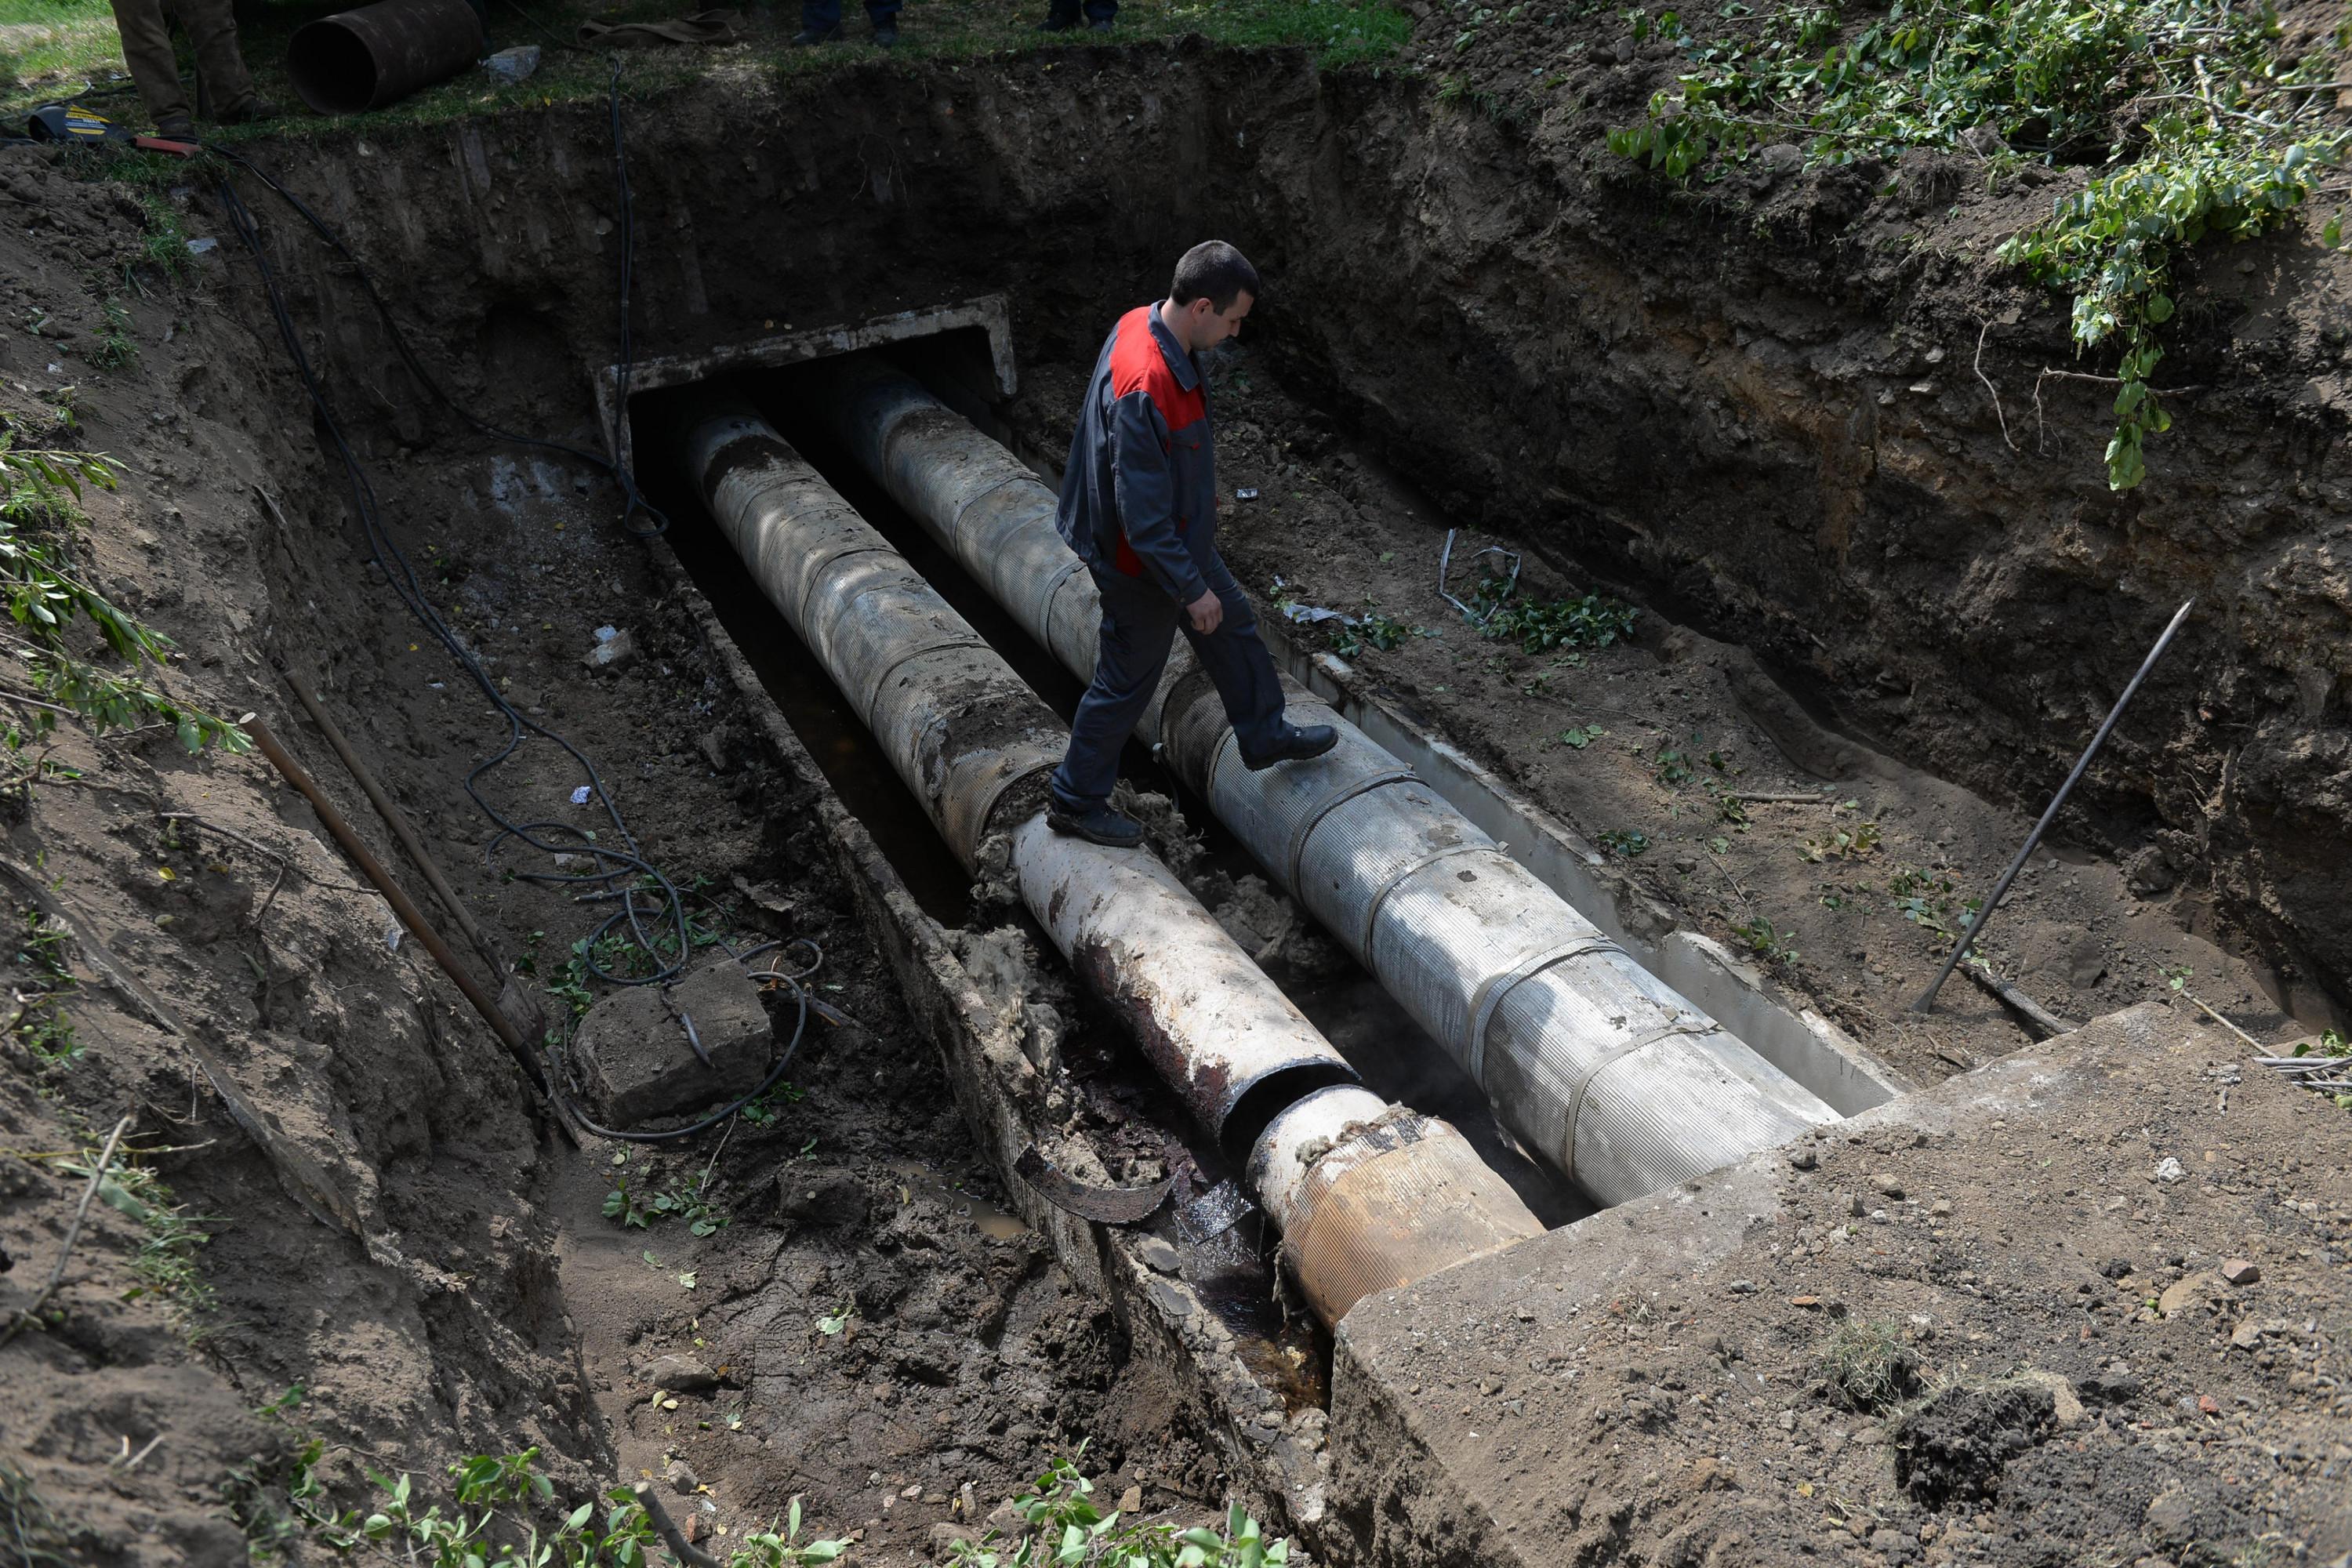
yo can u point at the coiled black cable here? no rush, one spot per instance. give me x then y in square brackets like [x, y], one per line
[401, 576]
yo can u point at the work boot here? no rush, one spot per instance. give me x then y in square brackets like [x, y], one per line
[808, 36]
[1058, 22]
[886, 34]
[250, 111]
[176, 128]
[1297, 744]
[1099, 824]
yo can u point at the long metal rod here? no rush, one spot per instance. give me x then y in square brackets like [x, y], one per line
[405, 907]
[397, 820]
[1927, 998]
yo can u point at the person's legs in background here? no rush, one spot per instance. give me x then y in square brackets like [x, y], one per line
[223, 87]
[820, 20]
[154, 66]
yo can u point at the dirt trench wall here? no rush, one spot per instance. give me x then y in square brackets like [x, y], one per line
[1764, 406]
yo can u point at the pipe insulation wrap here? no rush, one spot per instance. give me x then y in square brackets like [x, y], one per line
[1595, 1064]
[972, 741]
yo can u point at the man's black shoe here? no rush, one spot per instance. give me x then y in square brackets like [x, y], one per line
[1299, 744]
[1058, 22]
[885, 35]
[808, 36]
[1101, 825]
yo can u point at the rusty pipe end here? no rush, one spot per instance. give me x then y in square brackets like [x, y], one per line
[1371, 1197]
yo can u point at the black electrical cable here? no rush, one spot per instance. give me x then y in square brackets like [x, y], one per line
[411, 591]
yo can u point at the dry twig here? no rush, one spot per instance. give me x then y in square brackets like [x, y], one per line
[73, 1233]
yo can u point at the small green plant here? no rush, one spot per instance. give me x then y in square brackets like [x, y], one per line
[1671, 768]
[1061, 1528]
[765, 1109]
[1577, 737]
[1371, 630]
[113, 348]
[1852, 842]
[1594, 620]
[831, 1324]
[677, 1202]
[1626, 841]
[41, 982]
[1771, 945]
[165, 1265]
[2176, 976]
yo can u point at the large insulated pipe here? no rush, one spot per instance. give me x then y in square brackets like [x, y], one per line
[1367, 1195]
[1603, 1070]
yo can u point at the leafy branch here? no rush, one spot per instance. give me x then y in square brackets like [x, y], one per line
[1061, 1528]
[2206, 130]
[42, 597]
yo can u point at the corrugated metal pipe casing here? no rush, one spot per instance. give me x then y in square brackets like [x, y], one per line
[1602, 1068]
[974, 741]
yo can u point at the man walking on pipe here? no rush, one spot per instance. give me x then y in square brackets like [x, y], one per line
[1140, 507]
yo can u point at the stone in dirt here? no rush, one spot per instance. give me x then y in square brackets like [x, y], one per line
[2240, 1271]
[613, 654]
[637, 1063]
[682, 1374]
[681, 1477]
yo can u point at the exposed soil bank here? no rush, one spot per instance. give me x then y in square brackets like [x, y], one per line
[1533, 345]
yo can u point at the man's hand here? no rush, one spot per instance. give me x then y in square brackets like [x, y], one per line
[1208, 613]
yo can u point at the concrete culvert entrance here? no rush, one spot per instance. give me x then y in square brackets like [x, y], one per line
[1742, 680]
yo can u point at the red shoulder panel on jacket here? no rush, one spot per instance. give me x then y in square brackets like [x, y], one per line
[1137, 365]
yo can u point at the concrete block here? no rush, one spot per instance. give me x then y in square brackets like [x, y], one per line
[637, 1064]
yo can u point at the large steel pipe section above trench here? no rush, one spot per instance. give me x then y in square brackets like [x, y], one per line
[1595, 1064]
[1367, 1195]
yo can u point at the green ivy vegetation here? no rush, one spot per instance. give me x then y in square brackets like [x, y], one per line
[1061, 1528]
[42, 596]
[2200, 124]
[1541, 626]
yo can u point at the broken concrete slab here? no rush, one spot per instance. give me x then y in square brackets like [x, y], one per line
[638, 1064]
[1541, 1404]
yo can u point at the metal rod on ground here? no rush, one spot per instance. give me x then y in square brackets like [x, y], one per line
[402, 905]
[397, 820]
[515, 1004]
[1927, 997]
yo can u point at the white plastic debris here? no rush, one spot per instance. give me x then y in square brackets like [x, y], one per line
[607, 634]
[203, 246]
[580, 796]
[1245, 493]
[392, 937]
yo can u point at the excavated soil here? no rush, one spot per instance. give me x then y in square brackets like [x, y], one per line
[1747, 414]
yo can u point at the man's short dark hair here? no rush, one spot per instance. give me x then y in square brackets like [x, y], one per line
[1215, 271]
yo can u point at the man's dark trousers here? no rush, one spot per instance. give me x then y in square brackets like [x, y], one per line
[823, 15]
[1140, 621]
[1096, 10]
